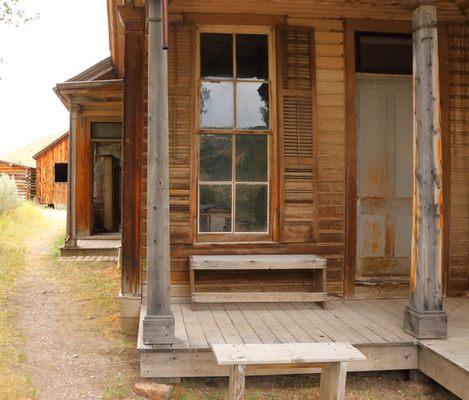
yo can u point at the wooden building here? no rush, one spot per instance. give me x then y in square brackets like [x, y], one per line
[94, 99]
[25, 178]
[331, 129]
[52, 173]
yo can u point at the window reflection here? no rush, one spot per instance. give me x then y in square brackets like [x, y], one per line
[251, 208]
[215, 157]
[216, 105]
[251, 158]
[252, 102]
[215, 208]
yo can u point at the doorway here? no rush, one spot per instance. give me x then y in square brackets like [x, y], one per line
[384, 177]
[379, 153]
[106, 147]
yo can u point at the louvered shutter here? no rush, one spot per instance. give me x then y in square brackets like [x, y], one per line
[296, 97]
[180, 70]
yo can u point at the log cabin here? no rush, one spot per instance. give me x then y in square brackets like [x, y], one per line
[279, 153]
[25, 178]
[52, 173]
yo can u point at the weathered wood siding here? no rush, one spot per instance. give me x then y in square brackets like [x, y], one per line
[48, 191]
[322, 191]
[326, 178]
[458, 263]
[25, 178]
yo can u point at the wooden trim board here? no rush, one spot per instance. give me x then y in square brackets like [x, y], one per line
[170, 364]
[248, 262]
[250, 297]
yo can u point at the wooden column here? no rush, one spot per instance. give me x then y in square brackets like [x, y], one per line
[70, 240]
[424, 316]
[134, 41]
[158, 324]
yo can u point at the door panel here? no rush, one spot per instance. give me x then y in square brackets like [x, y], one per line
[384, 174]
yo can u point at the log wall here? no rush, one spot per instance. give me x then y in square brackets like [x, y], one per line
[25, 178]
[48, 191]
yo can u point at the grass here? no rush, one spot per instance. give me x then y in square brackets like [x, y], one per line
[15, 232]
[360, 386]
[95, 286]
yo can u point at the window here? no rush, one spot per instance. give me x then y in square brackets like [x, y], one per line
[234, 133]
[106, 130]
[384, 53]
[61, 172]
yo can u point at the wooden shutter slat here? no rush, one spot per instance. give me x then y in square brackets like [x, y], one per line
[180, 115]
[296, 91]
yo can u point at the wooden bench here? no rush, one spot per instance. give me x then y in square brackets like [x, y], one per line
[332, 358]
[259, 262]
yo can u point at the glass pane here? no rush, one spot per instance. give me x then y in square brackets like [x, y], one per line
[384, 53]
[251, 208]
[215, 208]
[215, 157]
[252, 59]
[252, 104]
[251, 158]
[106, 130]
[216, 55]
[216, 105]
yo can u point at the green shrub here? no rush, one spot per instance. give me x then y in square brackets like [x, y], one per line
[9, 199]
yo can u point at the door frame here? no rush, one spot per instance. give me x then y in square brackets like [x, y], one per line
[90, 188]
[352, 26]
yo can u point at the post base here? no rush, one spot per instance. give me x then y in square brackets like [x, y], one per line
[426, 324]
[158, 329]
[70, 242]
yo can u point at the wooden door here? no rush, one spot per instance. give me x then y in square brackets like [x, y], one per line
[384, 177]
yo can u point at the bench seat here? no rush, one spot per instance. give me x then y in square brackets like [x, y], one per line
[269, 262]
[331, 357]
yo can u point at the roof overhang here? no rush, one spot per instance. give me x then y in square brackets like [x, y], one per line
[90, 93]
[50, 145]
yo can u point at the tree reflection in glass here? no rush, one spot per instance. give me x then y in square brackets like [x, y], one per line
[215, 208]
[252, 105]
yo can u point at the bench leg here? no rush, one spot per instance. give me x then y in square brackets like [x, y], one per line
[237, 381]
[333, 381]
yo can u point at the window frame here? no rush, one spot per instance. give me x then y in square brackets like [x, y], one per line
[63, 165]
[272, 145]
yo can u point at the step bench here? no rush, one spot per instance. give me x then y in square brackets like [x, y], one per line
[332, 358]
[259, 262]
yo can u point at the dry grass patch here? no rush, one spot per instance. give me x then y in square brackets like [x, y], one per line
[360, 386]
[16, 230]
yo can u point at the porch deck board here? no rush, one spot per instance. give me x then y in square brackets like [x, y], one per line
[359, 322]
[374, 326]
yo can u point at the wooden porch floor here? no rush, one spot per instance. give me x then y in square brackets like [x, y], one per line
[374, 326]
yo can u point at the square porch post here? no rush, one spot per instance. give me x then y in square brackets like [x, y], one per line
[158, 323]
[70, 240]
[424, 317]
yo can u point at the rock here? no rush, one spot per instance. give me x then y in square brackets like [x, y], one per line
[152, 390]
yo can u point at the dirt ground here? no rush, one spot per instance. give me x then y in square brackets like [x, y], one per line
[65, 361]
[61, 309]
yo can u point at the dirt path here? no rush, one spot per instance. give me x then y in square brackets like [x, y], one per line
[65, 362]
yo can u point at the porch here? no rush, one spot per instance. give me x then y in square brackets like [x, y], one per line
[100, 245]
[374, 326]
